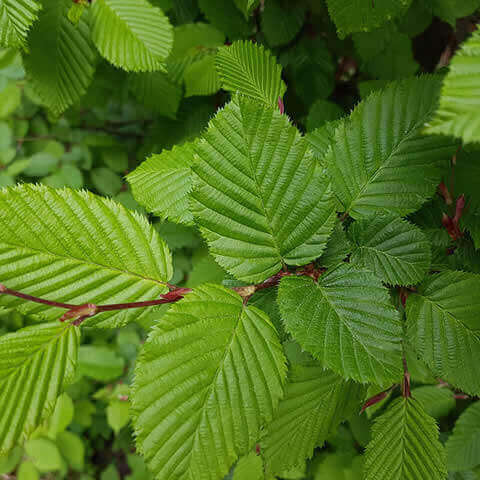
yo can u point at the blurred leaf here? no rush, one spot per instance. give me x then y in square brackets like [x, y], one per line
[100, 363]
[118, 415]
[73, 450]
[9, 461]
[44, 454]
[62, 415]
[105, 181]
[27, 471]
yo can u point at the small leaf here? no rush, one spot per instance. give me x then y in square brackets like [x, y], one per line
[99, 363]
[62, 415]
[44, 454]
[118, 415]
[73, 450]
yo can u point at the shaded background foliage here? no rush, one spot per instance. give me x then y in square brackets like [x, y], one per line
[124, 117]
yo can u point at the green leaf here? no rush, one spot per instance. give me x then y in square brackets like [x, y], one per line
[10, 99]
[118, 415]
[247, 6]
[435, 400]
[228, 18]
[106, 181]
[280, 25]
[99, 363]
[157, 92]
[321, 138]
[338, 248]
[379, 159]
[44, 454]
[395, 250]
[443, 320]
[201, 77]
[199, 400]
[61, 59]
[67, 176]
[72, 449]
[251, 70]
[463, 446]
[162, 184]
[405, 445]
[457, 113]
[346, 321]
[259, 199]
[16, 18]
[450, 10]
[316, 401]
[131, 34]
[249, 467]
[364, 15]
[62, 415]
[321, 112]
[9, 461]
[27, 471]
[36, 363]
[75, 247]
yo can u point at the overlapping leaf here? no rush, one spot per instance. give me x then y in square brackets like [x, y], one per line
[251, 70]
[36, 363]
[315, 402]
[201, 77]
[259, 199]
[380, 160]
[405, 445]
[443, 325]
[395, 250]
[436, 400]
[162, 183]
[61, 59]
[131, 34]
[75, 247]
[346, 321]
[16, 18]
[457, 114]
[210, 375]
[463, 446]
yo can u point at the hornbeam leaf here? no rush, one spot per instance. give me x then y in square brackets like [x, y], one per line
[463, 446]
[346, 321]
[131, 34]
[260, 200]
[395, 250]
[457, 114]
[251, 70]
[210, 375]
[75, 247]
[405, 445]
[379, 159]
[16, 18]
[315, 402]
[61, 58]
[443, 326]
[36, 363]
[162, 183]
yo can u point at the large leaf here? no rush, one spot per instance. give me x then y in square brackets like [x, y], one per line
[61, 59]
[346, 321]
[395, 250]
[260, 200]
[405, 445]
[380, 160]
[36, 363]
[75, 247]
[131, 34]
[251, 70]
[363, 15]
[443, 323]
[16, 18]
[209, 376]
[457, 114]
[463, 446]
[315, 402]
[163, 183]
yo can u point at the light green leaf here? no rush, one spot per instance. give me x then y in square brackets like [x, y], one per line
[251, 70]
[62, 415]
[457, 113]
[44, 454]
[118, 415]
[364, 15]
[249, 467]
[27, 471]
[259, 199]
[10, 99]
[100, 363]
[61, 59]
[395, 250]
[405, 445]
[16, 18]
[157, 92]
[346, 321]
[106, 181]
[131, 34]
[463, 446]
[72, 449]
[379, 159]
[162, 184]
[9, 461]
[36, 363]
[200, 400]
[316, 401]
[201, 77]
[443, 322]
[52, 240]
[436, 400]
